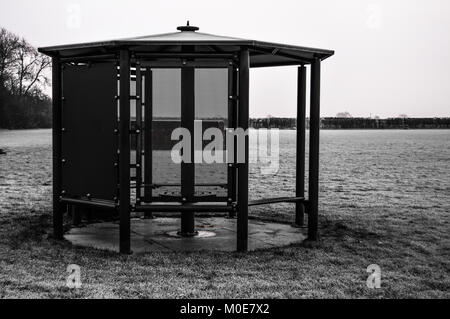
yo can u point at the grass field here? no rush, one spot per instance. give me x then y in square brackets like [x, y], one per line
[384, 200]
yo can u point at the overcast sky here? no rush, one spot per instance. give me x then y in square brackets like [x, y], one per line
[392, 56]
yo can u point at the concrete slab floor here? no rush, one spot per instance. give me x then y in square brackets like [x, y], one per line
[218, 234]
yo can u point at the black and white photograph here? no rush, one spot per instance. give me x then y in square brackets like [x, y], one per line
[225, 155]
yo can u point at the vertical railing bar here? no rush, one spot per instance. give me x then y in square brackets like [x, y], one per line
[138, 132]
[231, 181]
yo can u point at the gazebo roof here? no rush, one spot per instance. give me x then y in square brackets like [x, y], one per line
[261, 53]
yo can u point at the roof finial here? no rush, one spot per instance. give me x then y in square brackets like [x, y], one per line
[187, 27]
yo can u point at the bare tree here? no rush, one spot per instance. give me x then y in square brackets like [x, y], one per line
[9, 44]
[346, 115]
[22, 80]
[22, 67]
[30, 66]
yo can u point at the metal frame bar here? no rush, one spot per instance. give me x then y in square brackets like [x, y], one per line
[294, 58]
[275, 200]
[89, 58]
[300, 154]
[58, 229]
[197, 185]
[91, 203]
[178, 63]
[124, 146]
[184, 208]
[232, 123]
[269, 64]
[185, 55]
[314, 135]
[117, 106]
[243, 120]
[195, 199]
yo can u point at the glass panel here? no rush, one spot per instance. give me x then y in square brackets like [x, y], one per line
[211, 112]
[166, 117]
[133, 137]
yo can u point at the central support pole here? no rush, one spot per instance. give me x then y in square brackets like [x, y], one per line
[301, 130]
[243, 119]
[314, 136]
[188, 169]
[124, 156]
[57, 150]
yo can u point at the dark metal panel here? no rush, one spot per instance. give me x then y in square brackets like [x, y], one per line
[301, 132]
[243, 119]
[57, 158]
[314, 135]
[89, 145]
[124, 147]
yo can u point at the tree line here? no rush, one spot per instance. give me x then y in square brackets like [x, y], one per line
[23, 77]
[336, 123]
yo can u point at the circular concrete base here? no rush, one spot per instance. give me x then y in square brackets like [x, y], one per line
[160, 234]
[200, 234]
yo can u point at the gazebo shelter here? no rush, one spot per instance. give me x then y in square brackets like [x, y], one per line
[116, 104]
